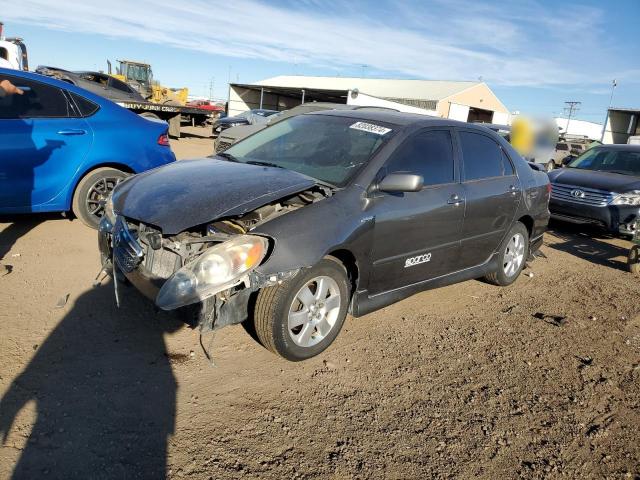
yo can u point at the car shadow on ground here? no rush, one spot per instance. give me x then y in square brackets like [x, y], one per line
[205, 135]
[19, 226]
[104, 393]
[589, 244]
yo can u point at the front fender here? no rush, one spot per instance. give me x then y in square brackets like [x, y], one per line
[302, 238]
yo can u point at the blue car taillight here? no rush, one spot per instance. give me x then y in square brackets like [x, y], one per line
[163, 140]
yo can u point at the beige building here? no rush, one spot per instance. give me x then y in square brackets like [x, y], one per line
[459, 100]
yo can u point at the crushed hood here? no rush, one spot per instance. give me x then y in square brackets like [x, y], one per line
[188, 193]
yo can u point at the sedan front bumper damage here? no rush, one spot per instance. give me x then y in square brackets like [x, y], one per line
[132, 261]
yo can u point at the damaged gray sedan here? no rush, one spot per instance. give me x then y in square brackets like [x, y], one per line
[322, 215]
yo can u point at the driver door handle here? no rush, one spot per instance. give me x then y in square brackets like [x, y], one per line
[455, 200]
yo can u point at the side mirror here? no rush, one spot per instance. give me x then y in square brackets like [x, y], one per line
[568, 159]
[401, 182]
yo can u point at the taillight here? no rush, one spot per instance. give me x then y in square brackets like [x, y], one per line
[163, 140]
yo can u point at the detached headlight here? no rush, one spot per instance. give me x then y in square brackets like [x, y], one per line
[217, 269]
[108, 210]
[631, 198]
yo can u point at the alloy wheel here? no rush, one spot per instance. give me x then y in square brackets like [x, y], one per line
[98, 194]
[314, 311]
[513, 255]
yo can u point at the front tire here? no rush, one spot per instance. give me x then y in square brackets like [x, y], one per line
[514, 251]
[550, 166]
[633, 260]
[92, 192]
[300, 318]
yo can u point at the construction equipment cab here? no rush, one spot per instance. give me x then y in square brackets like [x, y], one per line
[140, 76]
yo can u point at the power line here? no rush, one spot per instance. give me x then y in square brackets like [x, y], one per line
[571, 108]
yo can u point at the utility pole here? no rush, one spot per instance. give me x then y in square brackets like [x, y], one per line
[571, 108]
[614, 84]
[211, 84]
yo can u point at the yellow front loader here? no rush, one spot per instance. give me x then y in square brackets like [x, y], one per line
[140, 76]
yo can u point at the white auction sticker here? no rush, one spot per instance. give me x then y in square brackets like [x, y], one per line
[370, 127]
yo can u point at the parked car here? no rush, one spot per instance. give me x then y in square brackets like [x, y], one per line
[63, 148]
[243, 118]
[95, 82]
[323, 214]
[235, 134]
[601, 187]
[205, 105]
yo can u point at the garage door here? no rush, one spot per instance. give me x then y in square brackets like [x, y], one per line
[458, 112]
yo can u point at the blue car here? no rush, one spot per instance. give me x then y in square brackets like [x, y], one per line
[63, 148]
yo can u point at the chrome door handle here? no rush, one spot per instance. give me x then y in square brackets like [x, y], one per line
[72, 131]
[454, 200]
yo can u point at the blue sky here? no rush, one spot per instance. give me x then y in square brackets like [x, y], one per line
[533, 54]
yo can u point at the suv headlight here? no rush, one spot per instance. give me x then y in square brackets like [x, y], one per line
[630, 198]
[218, 268]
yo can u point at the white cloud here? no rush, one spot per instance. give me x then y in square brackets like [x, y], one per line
[518, 44]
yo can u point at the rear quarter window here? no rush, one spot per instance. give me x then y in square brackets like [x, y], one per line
[85, 107]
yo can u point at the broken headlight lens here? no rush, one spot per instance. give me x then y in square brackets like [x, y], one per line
[631, 198]
[218, 268]
[108, 210]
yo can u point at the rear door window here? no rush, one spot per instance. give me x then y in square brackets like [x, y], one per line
[482, 157]
[38, 101]
[428, 153]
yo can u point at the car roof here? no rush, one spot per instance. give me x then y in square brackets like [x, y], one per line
[399, 118]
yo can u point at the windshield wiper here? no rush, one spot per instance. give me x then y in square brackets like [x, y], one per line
[263, 164]
[228, 157]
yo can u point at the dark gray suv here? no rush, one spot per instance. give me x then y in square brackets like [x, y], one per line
[322, 215]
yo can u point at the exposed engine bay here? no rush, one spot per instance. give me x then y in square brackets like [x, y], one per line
[157, 258]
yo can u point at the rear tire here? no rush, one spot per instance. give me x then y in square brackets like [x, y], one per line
[633, 261]
[91, 193]
[550, 166]
[300, 318]
[513, 254]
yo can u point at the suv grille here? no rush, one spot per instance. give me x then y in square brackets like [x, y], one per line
[584, 196]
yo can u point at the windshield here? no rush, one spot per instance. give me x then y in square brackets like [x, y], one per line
[136, 72]
[625, 162]
[330, 149]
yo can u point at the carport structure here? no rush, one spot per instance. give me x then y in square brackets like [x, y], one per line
[459, 100]
[621, 124]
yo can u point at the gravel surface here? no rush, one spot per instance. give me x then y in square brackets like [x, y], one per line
[538, 380]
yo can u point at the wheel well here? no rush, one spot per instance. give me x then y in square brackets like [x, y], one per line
[527, 221]
[349, 261]
[118, 166]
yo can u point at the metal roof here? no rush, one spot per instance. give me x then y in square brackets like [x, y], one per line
[624, 109]
[377, 87]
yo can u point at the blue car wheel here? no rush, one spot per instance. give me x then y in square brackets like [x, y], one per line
[92, 193]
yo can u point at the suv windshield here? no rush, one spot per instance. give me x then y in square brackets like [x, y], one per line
[330, 149]
[625, 162]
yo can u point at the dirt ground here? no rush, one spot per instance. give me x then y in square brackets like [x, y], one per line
[538, 380]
